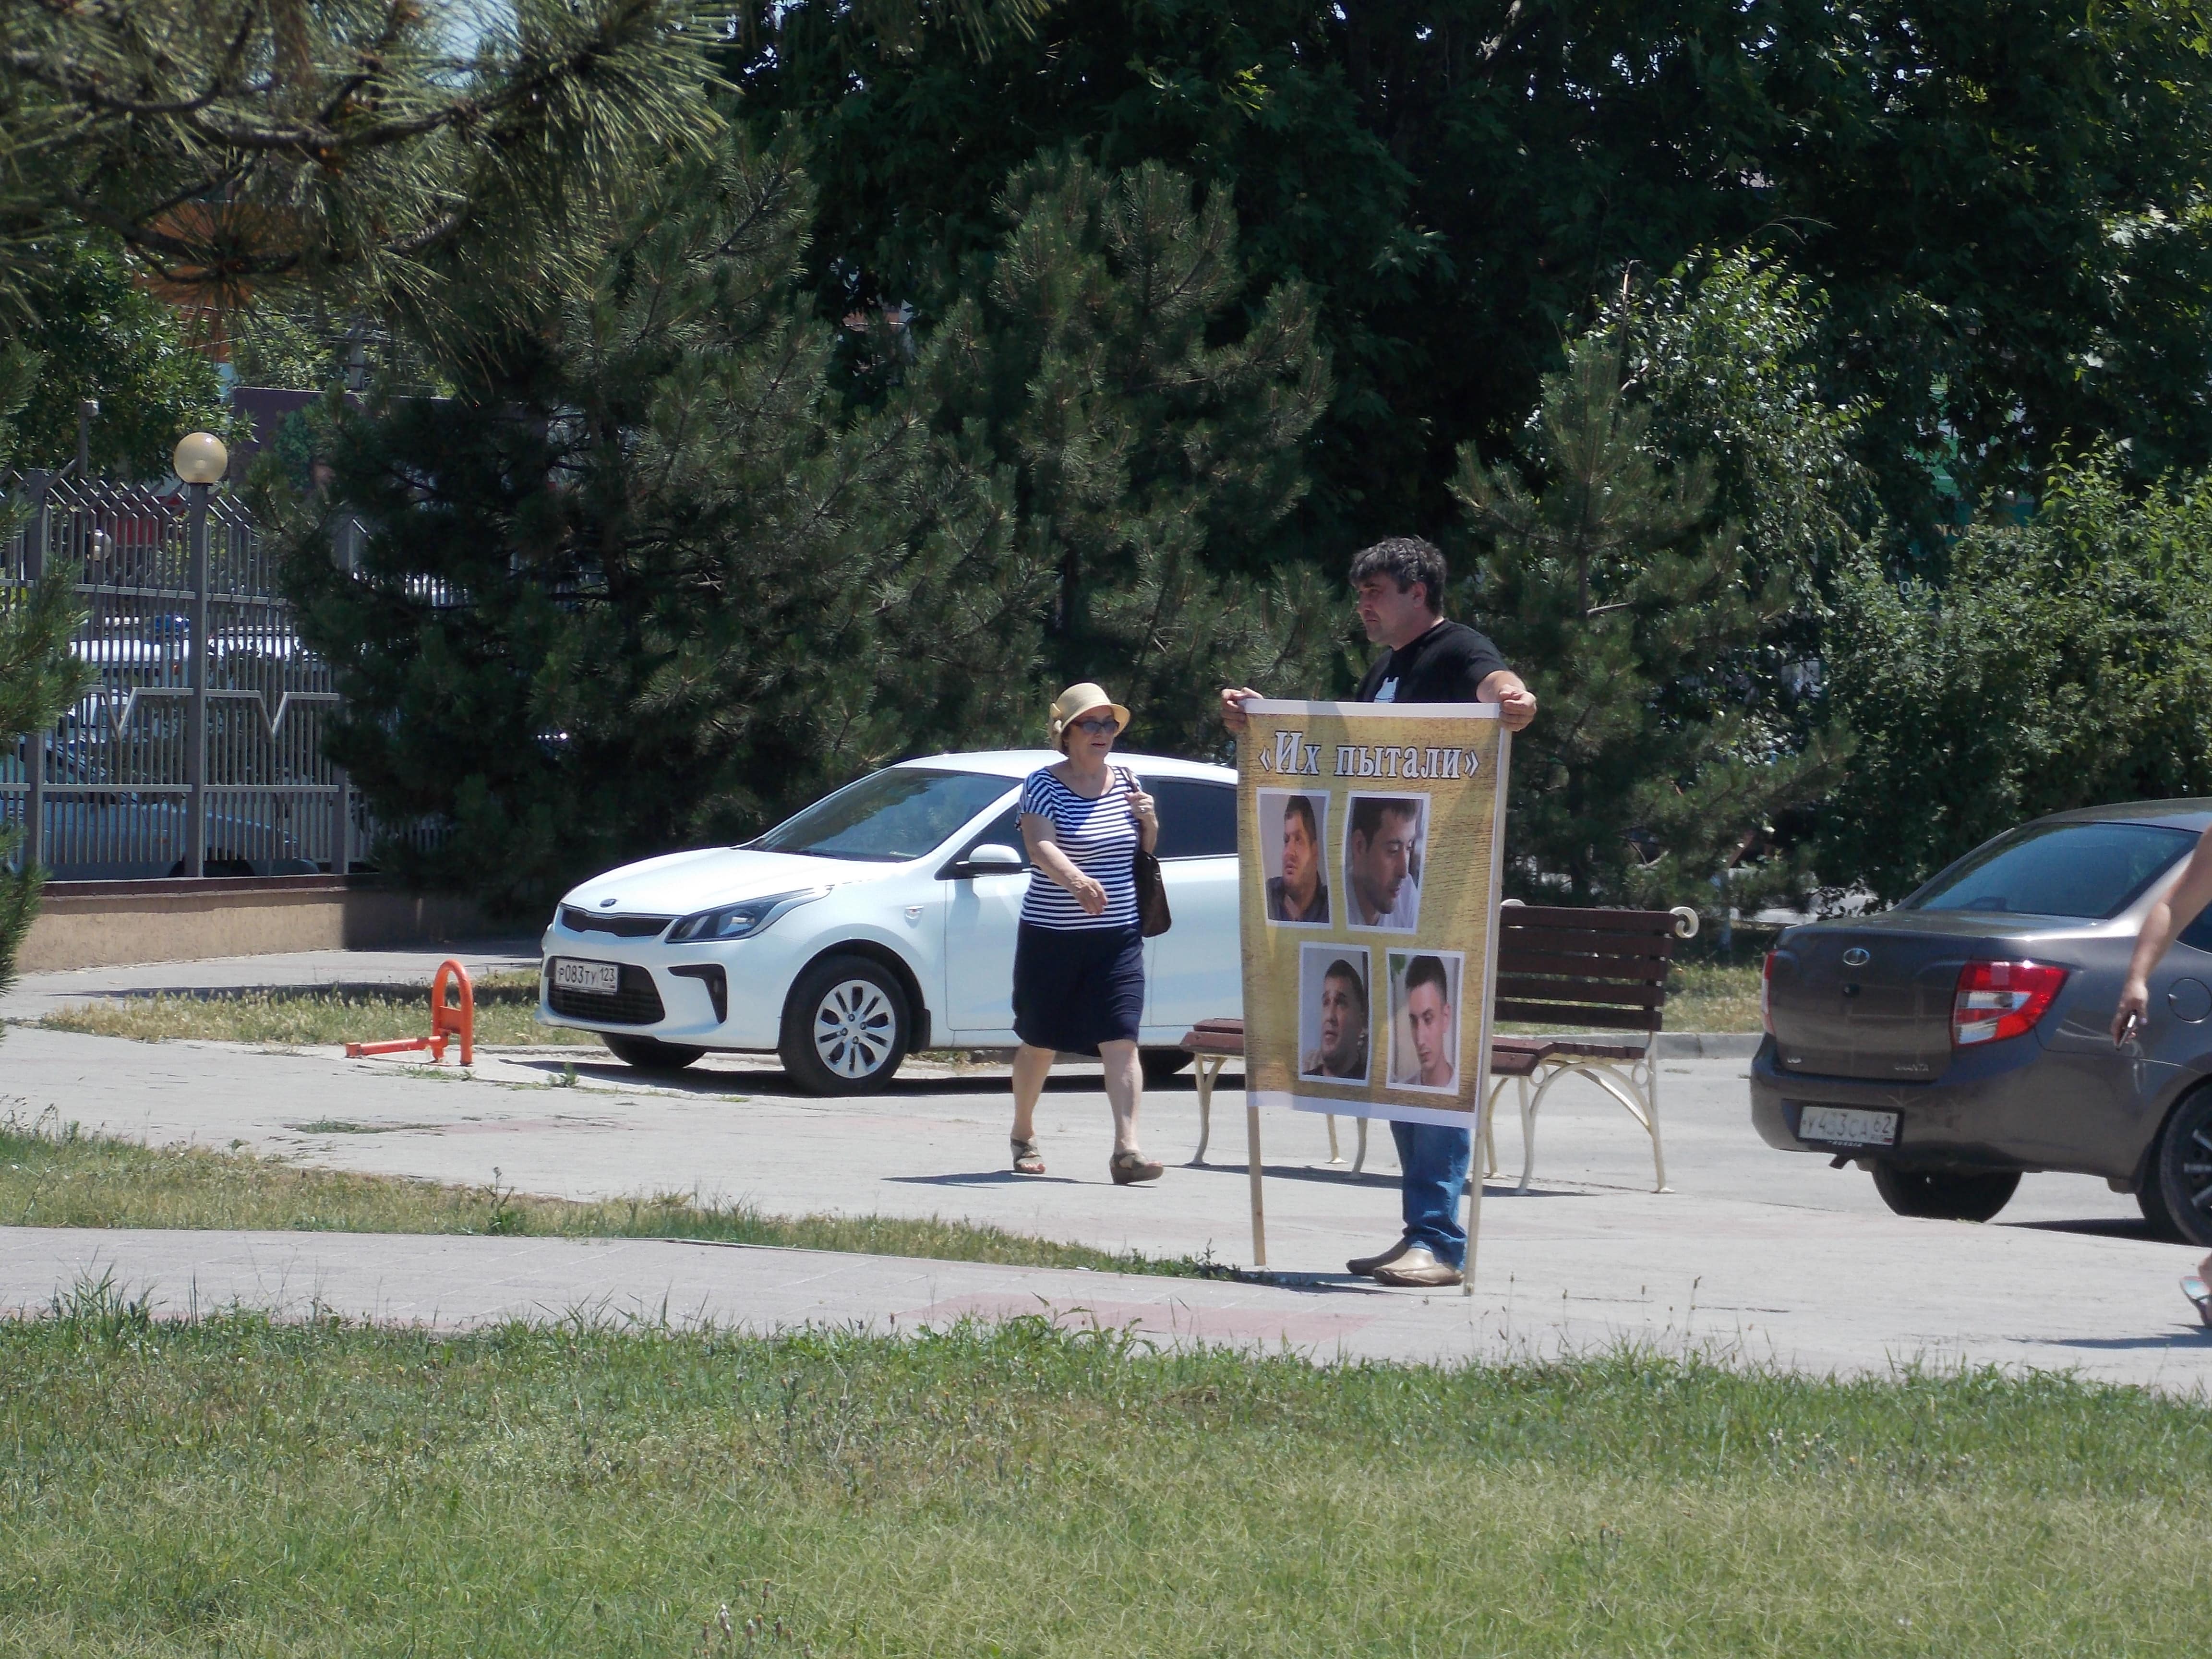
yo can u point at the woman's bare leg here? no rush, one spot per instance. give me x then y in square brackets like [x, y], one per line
[1031, 1068]
[1125, 1090]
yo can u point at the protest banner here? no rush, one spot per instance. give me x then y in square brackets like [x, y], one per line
[1371, 840]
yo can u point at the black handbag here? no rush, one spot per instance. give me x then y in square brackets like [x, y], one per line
[1153, 916]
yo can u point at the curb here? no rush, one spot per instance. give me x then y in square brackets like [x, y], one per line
[1708, 1045]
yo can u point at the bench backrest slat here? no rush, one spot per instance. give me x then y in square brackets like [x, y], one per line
[1561, 966]
[1520, 959]
[1580, 990]
[1556, 1014]
[1661, 922]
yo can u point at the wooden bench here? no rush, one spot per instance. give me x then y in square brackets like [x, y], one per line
[1556, 965]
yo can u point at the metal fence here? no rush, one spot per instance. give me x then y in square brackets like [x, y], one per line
[199, 749]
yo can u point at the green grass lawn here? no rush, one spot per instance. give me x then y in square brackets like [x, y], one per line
[227, 1486]
[1711, 997]
[505, 1006]
[1700, 998]
[53, 1176]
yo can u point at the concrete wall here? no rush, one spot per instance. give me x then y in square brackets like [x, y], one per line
[101, 924]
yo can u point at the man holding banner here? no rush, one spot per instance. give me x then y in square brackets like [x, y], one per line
[1388, 835]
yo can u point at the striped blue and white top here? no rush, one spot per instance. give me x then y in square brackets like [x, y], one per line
[1100, 837]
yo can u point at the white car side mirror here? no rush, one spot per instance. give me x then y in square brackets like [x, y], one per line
[993, 855]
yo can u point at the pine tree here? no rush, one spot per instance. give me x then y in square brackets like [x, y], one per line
[1153, 418]
[367, 148]
[1610, 583]
[39, 677]
[640, 583]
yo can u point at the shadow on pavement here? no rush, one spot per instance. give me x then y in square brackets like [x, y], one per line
[2094, 1227]
[985, 1178]
[2188, 1339]
[770, 1082]
[1313, 1284]
[777, 1084]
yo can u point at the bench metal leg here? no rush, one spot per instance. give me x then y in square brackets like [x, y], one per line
[1489, 1123]
[1528, 1129]
[1208, 1068]
[1636, 1088]
[1651, 1122]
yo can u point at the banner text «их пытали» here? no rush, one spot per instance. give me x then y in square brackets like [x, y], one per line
[1293, 756]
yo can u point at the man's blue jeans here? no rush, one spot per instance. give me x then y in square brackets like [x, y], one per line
[1435, 1160]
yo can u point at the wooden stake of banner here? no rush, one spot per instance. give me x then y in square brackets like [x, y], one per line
[1259, 1209]
[1489, 1004]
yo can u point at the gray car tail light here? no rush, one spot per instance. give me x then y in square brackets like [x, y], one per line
[1996, 1000]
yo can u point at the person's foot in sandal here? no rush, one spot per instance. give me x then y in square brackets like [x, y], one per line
[1131, 1167]
[1029, 1156]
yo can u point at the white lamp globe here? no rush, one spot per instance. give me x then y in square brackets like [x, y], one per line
[200, 458]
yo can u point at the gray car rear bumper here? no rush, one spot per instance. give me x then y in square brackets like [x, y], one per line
[2001, 1110]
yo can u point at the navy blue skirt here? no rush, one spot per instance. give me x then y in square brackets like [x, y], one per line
[1076, 987]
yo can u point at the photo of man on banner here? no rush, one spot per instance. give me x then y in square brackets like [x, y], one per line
[1293, 830]
[1383, 861]
[1424, 1020]
[1333, 994]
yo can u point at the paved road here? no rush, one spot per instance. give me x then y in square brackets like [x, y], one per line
[1770, 1256]
[34, 995]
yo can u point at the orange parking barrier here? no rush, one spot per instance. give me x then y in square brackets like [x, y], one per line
[448, 1021]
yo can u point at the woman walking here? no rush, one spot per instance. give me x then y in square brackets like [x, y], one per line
[1079, 958]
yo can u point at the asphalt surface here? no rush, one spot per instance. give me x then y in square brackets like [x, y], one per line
[1762, 1257]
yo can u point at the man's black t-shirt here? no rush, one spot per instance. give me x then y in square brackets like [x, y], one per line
[1448, 663]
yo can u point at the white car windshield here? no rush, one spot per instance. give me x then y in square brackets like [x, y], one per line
[891, 817]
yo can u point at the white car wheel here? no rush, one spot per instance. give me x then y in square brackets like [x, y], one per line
[854, 1028]
[845, 1027]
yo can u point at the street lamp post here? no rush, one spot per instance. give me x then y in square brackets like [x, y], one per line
[200, 461]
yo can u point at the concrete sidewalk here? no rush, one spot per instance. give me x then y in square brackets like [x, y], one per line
[1535, 1299]
[1769, 1255]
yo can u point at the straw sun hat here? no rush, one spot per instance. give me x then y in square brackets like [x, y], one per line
[1072, 704]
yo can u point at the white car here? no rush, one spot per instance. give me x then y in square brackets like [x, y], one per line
[880, 920]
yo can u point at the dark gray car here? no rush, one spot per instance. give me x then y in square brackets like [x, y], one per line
[1963, 1038]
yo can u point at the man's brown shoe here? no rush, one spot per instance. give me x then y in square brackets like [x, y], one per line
[1364, 1266]
[1417, 1267]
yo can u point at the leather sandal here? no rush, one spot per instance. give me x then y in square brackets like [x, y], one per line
[1029, 1156]
[1129, 1168]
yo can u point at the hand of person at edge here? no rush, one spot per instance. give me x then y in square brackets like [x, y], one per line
[1147, 812]
[2135, 1002]
[1232, 708]
[1090, 895]
[1517, 704]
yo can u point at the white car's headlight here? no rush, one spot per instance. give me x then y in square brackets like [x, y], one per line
[739, 921]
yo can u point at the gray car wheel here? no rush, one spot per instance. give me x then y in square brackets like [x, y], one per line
[1945, 1194]
[2176, 1195]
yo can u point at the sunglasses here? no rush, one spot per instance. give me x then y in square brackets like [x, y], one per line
[1102, 728]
